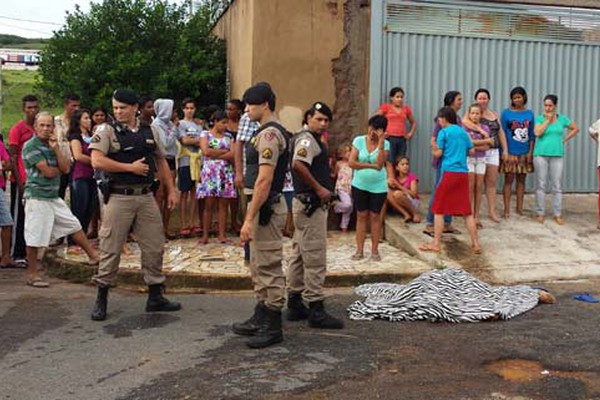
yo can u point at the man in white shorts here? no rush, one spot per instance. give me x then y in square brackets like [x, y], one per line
[47, 217]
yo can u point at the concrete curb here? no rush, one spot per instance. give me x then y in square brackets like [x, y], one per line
[77, 272]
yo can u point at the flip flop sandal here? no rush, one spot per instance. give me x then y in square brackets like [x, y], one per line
[11, 265]
[21, 263]
[452, 230]
[196, 230]
[356, 257]
[185, 232]
[429, 232]
[375, 257]
[37, 283]
[428, 249]
[588, 298]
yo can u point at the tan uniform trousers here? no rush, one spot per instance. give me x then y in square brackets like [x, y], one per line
[308, 265]
[119, 215]
[266, 255]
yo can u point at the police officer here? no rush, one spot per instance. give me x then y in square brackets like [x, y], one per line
[313, 188]
[131, 156]
[265, 217]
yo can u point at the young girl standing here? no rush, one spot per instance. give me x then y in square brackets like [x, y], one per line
[452, 146]
[404, 194]
[342, 173]
[480, 136]
[397, 114]
[216, 185]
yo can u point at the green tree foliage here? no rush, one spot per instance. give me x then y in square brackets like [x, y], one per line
[152, 47]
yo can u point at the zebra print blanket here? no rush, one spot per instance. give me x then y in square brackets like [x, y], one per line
[450, 294]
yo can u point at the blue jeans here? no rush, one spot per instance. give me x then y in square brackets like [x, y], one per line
[84, 200]
[397, 148]
[447, 218]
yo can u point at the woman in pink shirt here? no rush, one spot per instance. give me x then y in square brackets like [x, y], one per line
[397, 114]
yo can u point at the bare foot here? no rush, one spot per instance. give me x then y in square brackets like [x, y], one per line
[416, 218]
[494, 218]
[476, 249]
[546, 298]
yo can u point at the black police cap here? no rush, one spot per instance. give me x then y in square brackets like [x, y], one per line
[126, 96]
[323, 109]
[258, 94]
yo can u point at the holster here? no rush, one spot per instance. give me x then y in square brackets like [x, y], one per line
[311, 202]
[154, 186]
[266, 210]
[104, 186]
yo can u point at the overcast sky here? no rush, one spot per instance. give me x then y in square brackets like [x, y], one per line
[37, 18]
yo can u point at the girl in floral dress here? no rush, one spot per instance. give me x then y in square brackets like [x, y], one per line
[342, 173]
[216, 186]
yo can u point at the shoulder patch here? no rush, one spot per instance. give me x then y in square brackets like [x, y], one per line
[96, 138]
[269, 135]
[302, 152]
[304, 142]
[267, 154]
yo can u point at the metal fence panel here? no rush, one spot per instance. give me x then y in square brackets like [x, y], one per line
[427, 66]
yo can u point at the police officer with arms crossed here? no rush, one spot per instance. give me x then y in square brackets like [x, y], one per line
[265, 218]
[313, 186]
[131, 156]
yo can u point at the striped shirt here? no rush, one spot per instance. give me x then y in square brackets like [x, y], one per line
[38, 186]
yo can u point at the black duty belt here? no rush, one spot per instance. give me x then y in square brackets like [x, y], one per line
[134, 191]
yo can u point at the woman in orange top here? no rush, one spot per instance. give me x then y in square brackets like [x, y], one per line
[397, 113]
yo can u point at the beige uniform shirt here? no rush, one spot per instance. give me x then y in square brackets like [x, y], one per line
[106, 141]
[269, 143]
[306, 147]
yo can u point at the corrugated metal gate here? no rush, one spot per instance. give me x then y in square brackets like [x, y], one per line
[430, 47]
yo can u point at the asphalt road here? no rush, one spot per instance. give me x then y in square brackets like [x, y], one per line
[50, 349]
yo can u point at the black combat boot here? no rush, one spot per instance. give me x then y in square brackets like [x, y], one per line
[250, 326]
[99, 311]
[297, 311]
[156, 301]
[318, 318]
[269, 330]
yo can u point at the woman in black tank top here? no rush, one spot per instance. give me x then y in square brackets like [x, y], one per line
[493, 155]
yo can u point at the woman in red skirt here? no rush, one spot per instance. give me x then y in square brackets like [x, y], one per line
[453, 145]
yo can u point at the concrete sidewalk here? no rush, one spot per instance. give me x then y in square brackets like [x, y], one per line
[515, 250]
[217, 266]
[518, 249]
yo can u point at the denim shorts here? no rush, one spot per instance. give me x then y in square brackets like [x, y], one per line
[5, 216]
